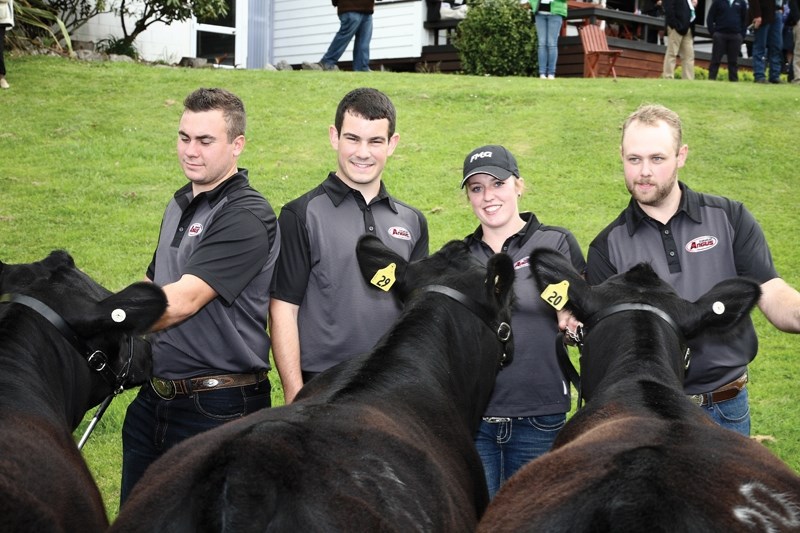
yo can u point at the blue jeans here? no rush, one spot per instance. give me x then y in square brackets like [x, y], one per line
[152, 425]
[732, 414]
[767, 50]
[358, 24]
[507, 445]
[547, 29]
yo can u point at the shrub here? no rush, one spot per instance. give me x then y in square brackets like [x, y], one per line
[118, 46]
[497, 38]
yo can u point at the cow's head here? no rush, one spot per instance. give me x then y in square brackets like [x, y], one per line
[718, 310]
[453, 266]
[104, 321]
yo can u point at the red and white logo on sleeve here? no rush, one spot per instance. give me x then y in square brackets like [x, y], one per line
[195, 229]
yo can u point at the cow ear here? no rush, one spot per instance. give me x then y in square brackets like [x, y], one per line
[721, 308]
[550, 270]
[380, 266]
[134, 309]
[500, 279]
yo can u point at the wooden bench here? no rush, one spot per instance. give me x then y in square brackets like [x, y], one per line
[595, 46]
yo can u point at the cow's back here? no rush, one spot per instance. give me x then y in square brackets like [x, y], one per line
[640, 474]
[276, 467]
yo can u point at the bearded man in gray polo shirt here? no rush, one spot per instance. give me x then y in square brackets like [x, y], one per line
[322, 312]
[692, 241]
[216, 253]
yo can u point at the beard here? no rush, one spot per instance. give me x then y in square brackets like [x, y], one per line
[655, 196]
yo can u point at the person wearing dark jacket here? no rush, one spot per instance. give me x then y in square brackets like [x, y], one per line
[794, 18]
[727, 24]
[355, 19]
[680, 19]
[767, 44]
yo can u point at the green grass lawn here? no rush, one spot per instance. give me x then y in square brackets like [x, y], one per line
[87, 163]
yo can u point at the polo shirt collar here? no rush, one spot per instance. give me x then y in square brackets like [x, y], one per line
[531, 225]
[337, 190]
[689, 204]
[239, 180]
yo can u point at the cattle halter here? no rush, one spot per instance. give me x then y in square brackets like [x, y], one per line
[500, 328]
[97, 360]
[582, 332]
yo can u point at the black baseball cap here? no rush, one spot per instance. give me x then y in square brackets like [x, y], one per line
[491, 159]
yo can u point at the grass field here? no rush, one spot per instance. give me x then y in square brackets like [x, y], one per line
[87, 163]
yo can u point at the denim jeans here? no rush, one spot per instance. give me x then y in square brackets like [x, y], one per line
[508, 445]
[358, 24]
[152, 425]
[767, 50]
[547, 29]
[732, 414]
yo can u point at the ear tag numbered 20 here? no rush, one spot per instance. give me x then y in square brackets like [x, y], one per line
[556, 294]
[384, 278]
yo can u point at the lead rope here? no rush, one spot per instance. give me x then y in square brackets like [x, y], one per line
[565, 364]
[96, 419]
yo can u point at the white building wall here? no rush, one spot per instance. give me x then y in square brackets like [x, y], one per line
[158, 43]
[304, 30]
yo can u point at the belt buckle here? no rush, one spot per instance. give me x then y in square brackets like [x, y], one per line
[697, 399]
[164, 388]
[496, 419]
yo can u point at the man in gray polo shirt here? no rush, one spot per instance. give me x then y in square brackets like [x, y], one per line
[322, 312]
[692, 241]
[215, 257]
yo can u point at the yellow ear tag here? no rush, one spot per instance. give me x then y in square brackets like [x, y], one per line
[384, 278]
[556, 294]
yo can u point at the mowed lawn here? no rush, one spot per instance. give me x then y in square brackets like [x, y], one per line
[87, 164]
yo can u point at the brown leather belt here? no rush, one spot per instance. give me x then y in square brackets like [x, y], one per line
[722, 394]
[167, 389]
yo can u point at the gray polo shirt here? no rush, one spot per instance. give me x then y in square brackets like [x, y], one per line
[340, 316]
[533, 385]
[229, 238]
[708, 240]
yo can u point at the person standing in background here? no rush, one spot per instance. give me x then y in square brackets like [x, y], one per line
[727, 24]
[766, 16]
[549, 16]
[680, 17]
[6, 21]
[355, 19]
[530, 401]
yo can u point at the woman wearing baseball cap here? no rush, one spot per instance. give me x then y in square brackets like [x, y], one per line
[531, 398]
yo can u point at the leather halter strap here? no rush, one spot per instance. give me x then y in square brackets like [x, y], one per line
[566, 366]
[501, 329]
[96, 359]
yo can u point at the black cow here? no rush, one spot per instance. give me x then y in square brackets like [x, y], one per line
[641, 457]
[52, 318]
[382, 442]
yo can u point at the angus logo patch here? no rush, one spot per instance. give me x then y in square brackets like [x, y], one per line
[701, 244]
[522, 263]
[195, 229]
[400, 233]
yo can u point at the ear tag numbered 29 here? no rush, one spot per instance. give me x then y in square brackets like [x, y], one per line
[556, 294]
[384, 278]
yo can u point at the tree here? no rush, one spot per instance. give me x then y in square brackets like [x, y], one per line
[497, 38]
[147, 12]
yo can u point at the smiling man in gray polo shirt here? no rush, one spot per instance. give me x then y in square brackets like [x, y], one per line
[322, 312]
[692, 241]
